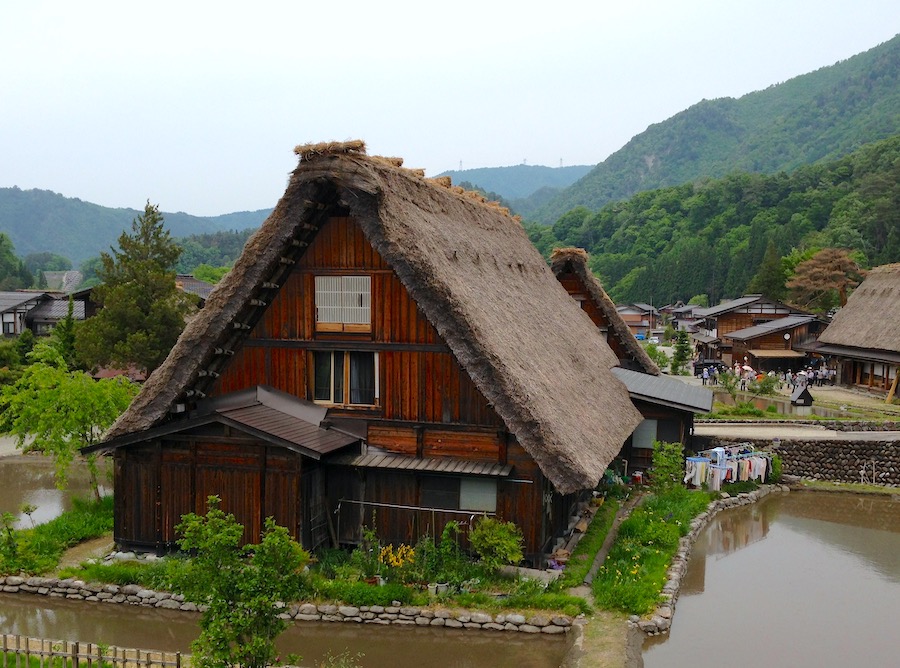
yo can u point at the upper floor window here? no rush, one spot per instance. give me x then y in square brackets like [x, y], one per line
[345, 377]
[344, 303]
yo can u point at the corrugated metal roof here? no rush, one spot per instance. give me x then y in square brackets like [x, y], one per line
[665, 390]
[447, 465]
[775, 354]
[267, 421]
[777, 325]
[727, 306]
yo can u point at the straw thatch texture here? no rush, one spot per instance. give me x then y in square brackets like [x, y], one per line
[575, 260]
[871, 318]
[476, 277]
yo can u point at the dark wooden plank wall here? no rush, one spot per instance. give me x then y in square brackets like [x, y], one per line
[171, 478]
[421, 383]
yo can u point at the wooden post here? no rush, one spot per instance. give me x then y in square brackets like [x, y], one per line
[890, 396]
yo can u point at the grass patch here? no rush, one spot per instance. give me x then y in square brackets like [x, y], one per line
[38, 550]
[635, 569]
[849, 487]
[152, 575]
[583, 557]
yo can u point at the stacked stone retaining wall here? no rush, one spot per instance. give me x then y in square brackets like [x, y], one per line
[837, 460]
[397, 615]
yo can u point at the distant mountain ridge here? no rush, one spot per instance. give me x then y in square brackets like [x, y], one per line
[519, 181]
[814, 117]
[42, 220]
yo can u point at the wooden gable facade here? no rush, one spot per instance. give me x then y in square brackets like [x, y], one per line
[355, 370]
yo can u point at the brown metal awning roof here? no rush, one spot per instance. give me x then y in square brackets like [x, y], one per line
[446, 465]
[261, 412]
[776, 354]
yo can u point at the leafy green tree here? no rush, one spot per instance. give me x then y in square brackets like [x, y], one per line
[205, 272]
[58, 412]
[63, 336]
[699, 300]
[682, 353]
[242, 588]
[668, 466]
[13, 273]
[37, 263]
[90, 271]
[770, 277]
[497, 543]
[657, 355]
[142, 310]
[25, 344]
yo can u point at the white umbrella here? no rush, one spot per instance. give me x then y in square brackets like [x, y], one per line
[801, 373]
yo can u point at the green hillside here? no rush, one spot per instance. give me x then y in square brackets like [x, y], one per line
[710, 237]
[818, 116]
[40, 220]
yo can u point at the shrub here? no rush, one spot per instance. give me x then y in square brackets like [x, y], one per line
[775, 475]
[497, 543]
[668, 466]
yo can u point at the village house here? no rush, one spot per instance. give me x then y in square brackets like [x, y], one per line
[862, 337]
[717, 324]
[34, 310]
[642, 319]
[388, 351]
[667, 404]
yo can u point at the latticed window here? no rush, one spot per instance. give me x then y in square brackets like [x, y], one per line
[344, 303]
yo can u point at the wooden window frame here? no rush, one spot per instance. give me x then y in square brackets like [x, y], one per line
[346, 388]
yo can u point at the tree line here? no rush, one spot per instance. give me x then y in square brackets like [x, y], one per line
[711, 237]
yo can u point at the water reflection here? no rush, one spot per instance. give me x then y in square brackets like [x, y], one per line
[811, 579]
[29, 479]
[131, 626]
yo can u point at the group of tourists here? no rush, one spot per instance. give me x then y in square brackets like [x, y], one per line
[810, 376]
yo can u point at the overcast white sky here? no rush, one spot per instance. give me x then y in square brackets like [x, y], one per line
[197, 106]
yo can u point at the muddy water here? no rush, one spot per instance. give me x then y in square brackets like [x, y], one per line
[168, 630]
[803, 579]
[29, 479]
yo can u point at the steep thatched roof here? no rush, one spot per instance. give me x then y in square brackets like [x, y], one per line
[871, 318]
[474, 274]
[574, 260]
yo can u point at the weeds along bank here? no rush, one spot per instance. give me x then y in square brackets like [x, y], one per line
[659, 620]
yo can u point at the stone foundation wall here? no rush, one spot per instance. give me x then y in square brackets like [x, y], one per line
[840, 461]
[397, 615]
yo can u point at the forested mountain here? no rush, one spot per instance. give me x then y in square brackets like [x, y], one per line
[39, 220]
[818, 116]
[519, 181]
[710, 236]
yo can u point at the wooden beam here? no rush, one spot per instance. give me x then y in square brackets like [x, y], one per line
[890, 396]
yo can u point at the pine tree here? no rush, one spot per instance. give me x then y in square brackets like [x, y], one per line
[142, 311]
[770, 277]
[824, 280]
